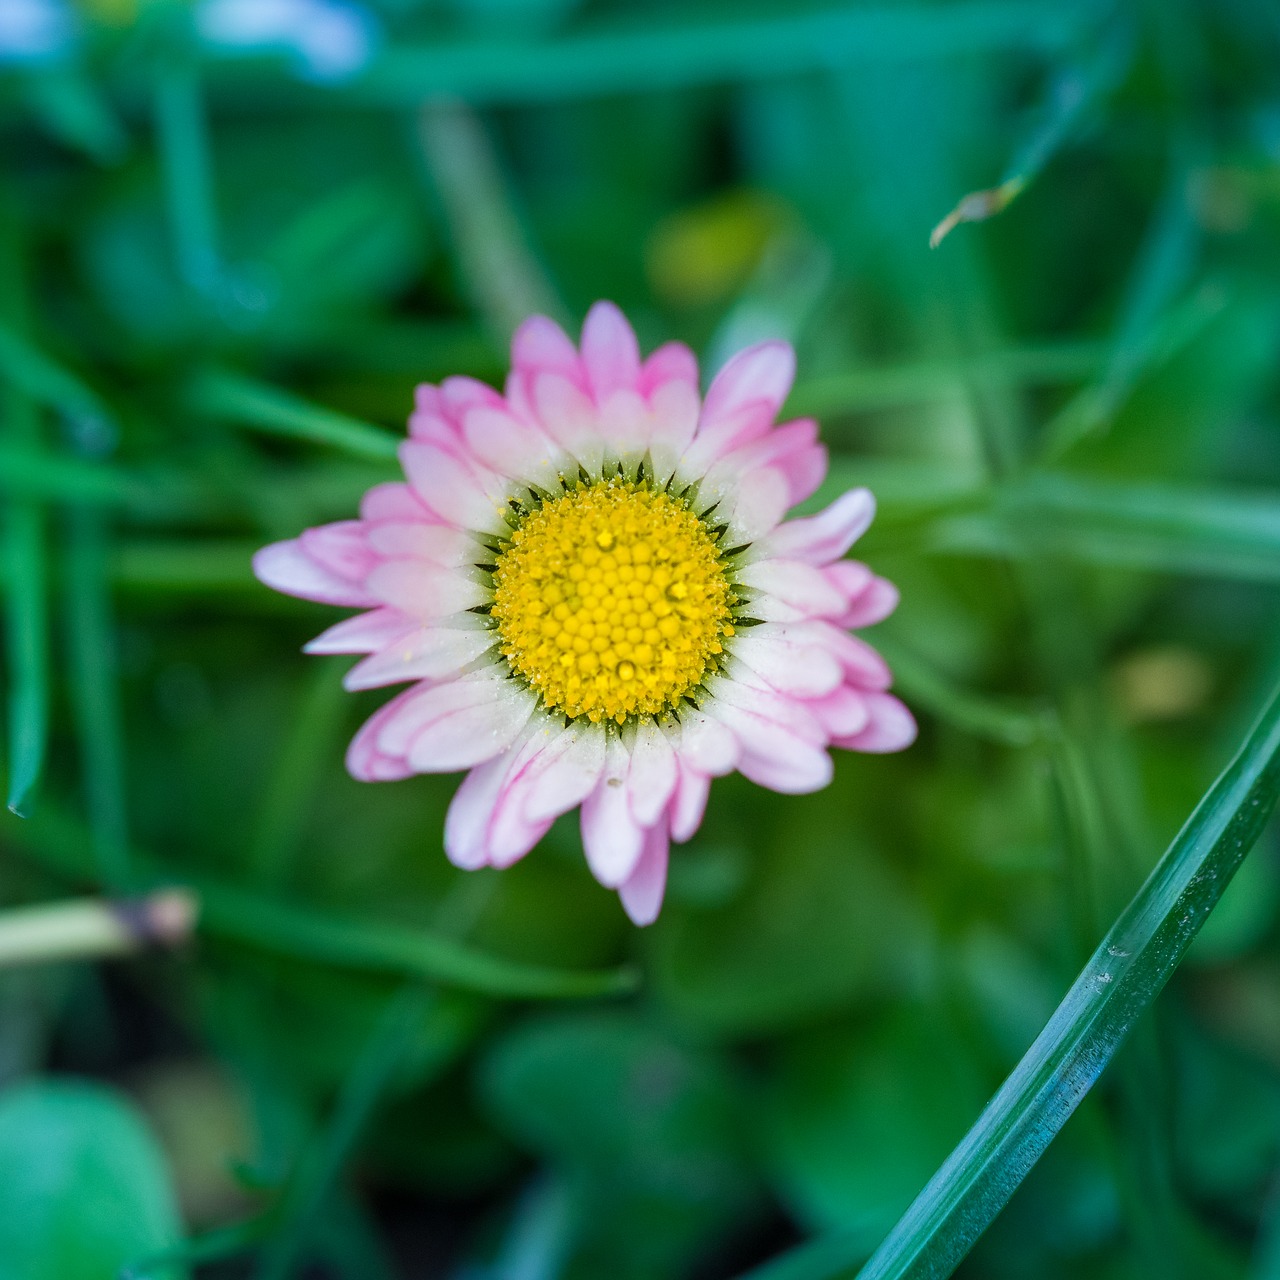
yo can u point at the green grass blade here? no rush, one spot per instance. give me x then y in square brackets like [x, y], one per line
[319, 937]
[44, 380]
[27, 633]
[922, 381]
[261, 407]
[320, 1167]
[650, 57]
[95, 694]
[183, 142]
[1170, 527]
[1121, 979]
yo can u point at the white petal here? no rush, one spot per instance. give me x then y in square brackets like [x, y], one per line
[801, 589]
[643, 889]
[467, 822]
[706, 745]
[791, 659]
[454, 491]
[827, 536]
[286, 567]
[566, 778]
[424, 591]
[365, 633]
[689, 805]
[611, 837]
[419, 540]
[429, 653]
[653, 774]
[467, 722]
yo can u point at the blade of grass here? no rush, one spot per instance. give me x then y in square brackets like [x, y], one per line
[319, 937]
[187, 171]
[648, 57]
[1074, 91]
[95, 694]
[44, 380]
[306, 749]
[310, 935]
[506, 281]
[1177, 528]
[321, 1166]
[1120, 981]
[918, 382]
[245, 402]
[26, 607]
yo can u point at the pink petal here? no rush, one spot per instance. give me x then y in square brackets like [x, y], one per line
[568, 416]
[286, 567]
[689, 805]
[466, 824]
[460, 395]
[672, 362]
[642, 891]
[792, 659]
[890, 728]
[511, 447]
[392, 501]
[757, 504]
[424, 591]
[541, 346]
[827, 536]
[451, 489]
[653, 774]
[467, 722]
[342, 548]
[611, 837]
[419, 540]
[759, 375]
[791, 590]
[788, 765]
[841, 713]
[674, 408]
[863, 666]
[365, 633]
[430, 653]
[367, 760]
[875, 603]
[610, 352]
[706, 745]
[566, 779]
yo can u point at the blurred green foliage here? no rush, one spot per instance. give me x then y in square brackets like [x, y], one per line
[235, 234]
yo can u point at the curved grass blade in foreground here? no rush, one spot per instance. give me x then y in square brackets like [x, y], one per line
[1120, 981]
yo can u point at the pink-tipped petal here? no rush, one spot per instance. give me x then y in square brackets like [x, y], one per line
[367, 759]
[611, 837]
[791, 590]
[365, 633]
[468, 722]
[454, 491]
[875, 603]
[706, 745]
[761, 374]
[642, 891]
[429, 653]
[827, 536]
[689, 805]
[511, 447]
[425, 592]
[419, 540]
[890, 726]
[610, 352]
[842, 712]
[288, 568]
[568, 416]
[791, 658]
[541, 346]
[467, 821]
[392, 501]
[653, 774]
[567, 778]
[672, 362]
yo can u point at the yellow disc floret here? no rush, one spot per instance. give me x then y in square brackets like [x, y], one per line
[612, 601]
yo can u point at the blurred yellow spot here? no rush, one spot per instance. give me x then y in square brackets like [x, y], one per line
[1161, 684]
[703, 254]
[612, 601]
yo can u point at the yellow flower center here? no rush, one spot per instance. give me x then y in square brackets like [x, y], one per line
[612, 601]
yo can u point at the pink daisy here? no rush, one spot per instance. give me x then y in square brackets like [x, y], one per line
[590, 587]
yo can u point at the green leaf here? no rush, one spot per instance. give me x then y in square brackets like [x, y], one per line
[1122, 978]
[86, 1191]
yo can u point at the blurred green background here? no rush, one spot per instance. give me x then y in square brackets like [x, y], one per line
[234, 235]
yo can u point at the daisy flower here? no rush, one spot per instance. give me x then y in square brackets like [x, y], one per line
[589, 585]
